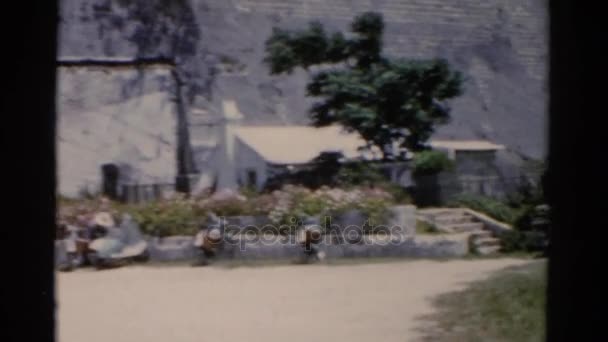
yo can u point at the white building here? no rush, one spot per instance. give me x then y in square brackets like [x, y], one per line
[251, 155]
[262, 151]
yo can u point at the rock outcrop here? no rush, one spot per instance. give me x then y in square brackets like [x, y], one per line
[218, 47]
[115, 116]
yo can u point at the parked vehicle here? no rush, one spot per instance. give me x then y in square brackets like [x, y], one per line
[118, 246]
[103, 244]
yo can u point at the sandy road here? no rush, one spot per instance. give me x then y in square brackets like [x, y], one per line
[359, 302]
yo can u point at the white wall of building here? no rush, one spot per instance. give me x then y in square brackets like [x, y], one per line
[249, 160]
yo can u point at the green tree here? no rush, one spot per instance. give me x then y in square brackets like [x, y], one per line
[386, 100]
[428, 163]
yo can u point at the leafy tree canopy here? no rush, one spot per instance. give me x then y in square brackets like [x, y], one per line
[387, 100]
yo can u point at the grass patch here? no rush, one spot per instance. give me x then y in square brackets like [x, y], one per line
[494, 208]
[509, 306]
[425, 228]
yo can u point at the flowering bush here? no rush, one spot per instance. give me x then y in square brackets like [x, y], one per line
[179, 215]
[175, 216]
[223, 207]
[80, 212]
[295, 203]
[284, 204]
[172, 216]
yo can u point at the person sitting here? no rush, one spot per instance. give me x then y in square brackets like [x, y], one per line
[105, 238]
[309, 235]
[209, 239]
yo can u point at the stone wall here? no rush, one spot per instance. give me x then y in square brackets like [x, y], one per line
[459, 23]
[477, 173]
[218, 45]
[183, 250]
[251, 247]
[118, 115]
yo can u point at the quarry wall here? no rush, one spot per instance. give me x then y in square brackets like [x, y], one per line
[115, 115]
[218, 47]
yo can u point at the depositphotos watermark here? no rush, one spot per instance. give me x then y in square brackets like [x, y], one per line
[297, 234]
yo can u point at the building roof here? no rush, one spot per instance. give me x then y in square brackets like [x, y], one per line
[299, 144]
[466, 145]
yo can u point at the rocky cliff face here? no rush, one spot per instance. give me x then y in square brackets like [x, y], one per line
[115, 115]
[218, 46]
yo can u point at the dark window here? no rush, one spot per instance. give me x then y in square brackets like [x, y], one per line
[252, 178]
[111, 175]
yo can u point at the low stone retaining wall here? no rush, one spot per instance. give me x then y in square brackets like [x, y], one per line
[182, 249]
[174, 248]
[439, 247]
[243, 247]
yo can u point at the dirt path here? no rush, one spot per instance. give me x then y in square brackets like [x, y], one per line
[359, 302]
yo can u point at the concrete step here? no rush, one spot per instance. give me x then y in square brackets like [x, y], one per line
[444, 229]
[454, 219]
[482, 234]
[484, 242]
[463, 227]
[488, 250]
[438, 212]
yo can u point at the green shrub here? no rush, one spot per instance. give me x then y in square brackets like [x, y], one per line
[530, 222]
[518, 241]
[165, 218]
[531, 233]
[376, 211]
[489, 206]
[250, 192]
[309, 205]
[228, 207]
[181, 216]
[423, 227]
[293, 204]
[399, 193]
[303, 205]
[357, 174]
[430, 162]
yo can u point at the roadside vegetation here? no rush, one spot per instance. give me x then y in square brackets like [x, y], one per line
[425, 228]
[526, 211]
[288, 206]
[509, 306]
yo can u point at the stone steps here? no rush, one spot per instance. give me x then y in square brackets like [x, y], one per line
[439, 215]
[482, 234]
[449, 220]
[488, 250]
[454, 220]
[462, 227]
[483, 242]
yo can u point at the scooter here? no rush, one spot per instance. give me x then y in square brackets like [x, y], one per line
[116, 247]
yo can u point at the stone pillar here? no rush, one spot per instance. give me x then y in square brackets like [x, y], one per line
[404, 217]
[226, 168]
